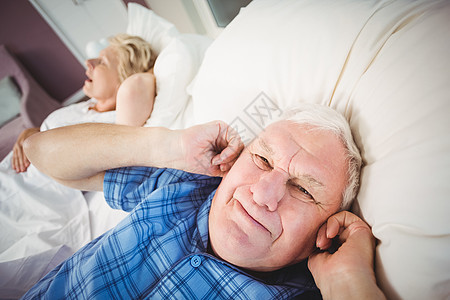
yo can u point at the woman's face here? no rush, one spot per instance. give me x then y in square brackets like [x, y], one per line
[103, 75]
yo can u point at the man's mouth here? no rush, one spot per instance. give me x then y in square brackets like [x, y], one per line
[254, 219]
[251, 217]
[265, 220]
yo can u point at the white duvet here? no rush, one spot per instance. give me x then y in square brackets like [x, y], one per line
[43, 222]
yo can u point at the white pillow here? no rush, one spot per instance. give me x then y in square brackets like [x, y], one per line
[142, 22]
[93, 48]
[251, 56]
[384, 65]
[179, 57]
[400, 112]
[9, 100]
[174, 69]
[154, 29]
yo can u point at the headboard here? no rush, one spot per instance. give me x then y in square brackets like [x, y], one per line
[36, 104]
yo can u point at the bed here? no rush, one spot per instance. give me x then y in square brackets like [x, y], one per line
[383, 64]
[43, 222]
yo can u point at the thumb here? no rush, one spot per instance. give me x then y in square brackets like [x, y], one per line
[231, 145]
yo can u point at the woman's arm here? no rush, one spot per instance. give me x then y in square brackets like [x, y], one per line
[78, 155]
[135, 99]
[348, 273]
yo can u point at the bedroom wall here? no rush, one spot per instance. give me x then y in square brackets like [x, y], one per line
[39, 49]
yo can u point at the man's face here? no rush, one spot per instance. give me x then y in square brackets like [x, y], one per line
[266, 212]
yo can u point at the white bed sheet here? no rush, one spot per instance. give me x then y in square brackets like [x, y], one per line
[38, 218]
[43, 222]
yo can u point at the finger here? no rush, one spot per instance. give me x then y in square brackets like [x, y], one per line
[322, 242]
[347, 225]
[333, 227]
[227, 166]
[235, 141]
[231, 141]
[20, 156]
[223, 164]
[230, 152]
[338, 222]
[26, 162]
[220, 170]
[14, 162]
[18, 164]
[226, 156]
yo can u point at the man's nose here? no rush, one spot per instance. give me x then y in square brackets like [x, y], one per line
[269, 189]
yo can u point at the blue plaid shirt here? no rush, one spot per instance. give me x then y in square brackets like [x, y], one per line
[159, 251]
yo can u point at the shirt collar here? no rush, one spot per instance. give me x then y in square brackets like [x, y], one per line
[203, 221]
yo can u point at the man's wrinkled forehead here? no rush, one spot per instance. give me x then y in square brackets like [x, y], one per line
[267, 139]
[264, 145]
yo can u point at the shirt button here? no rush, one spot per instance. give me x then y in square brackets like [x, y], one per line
[196, 261]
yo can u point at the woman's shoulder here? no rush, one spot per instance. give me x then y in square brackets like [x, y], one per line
[138, 85]
[136, 80]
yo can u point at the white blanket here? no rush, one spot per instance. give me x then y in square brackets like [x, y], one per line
[38, 214]
[77, 113]
[43, 222]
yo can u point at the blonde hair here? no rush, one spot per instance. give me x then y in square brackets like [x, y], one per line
[134, 53]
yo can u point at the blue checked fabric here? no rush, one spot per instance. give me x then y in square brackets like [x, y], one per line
[159, 251]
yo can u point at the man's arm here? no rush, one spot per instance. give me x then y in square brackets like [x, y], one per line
[78, 155]
[348, 273]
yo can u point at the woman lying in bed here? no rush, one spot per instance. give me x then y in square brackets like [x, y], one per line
[42, 221]
[120, 84]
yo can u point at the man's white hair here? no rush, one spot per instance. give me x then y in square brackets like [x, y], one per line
[325, 118]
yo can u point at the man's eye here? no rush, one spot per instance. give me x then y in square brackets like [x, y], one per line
[263, 159]
[304, 193]
[261, 162]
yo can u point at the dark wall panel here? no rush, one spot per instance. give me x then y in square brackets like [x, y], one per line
[40, 50]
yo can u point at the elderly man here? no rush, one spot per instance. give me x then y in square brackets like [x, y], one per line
[193, 236]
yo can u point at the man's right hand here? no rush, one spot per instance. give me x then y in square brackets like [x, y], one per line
[210, 148]
[78, 155]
